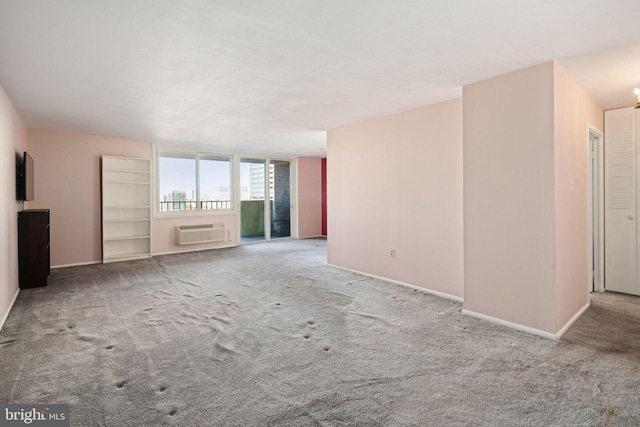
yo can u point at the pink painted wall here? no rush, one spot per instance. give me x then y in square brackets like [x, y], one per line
[163, 233]
[67, 167]
[525, 142]
[396, 182]
[574, 109]
[68, 183]
[13, 140]
[509, 195]
[309, 196]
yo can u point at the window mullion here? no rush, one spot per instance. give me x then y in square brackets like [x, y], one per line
[198, 207]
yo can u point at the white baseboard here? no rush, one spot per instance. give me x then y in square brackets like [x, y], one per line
[76, 264]
[6, 315]
[511, 325]
[313, 237]
[572, 320]
[146, 257]
[192, 250]
[408, 285]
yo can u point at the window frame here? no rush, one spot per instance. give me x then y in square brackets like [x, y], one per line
[197, 155]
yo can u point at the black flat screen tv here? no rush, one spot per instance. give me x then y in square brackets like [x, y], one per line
[25, 177]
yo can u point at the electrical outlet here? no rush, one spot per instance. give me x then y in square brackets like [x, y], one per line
[392, 253]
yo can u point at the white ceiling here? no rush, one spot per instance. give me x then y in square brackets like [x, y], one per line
[271, 76]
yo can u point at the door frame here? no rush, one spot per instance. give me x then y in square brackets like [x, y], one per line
[595, 217]
[293, 168]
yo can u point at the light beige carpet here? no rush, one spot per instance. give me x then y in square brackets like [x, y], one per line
[269, 335]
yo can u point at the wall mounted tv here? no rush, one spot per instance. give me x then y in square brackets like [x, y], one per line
[25, 178]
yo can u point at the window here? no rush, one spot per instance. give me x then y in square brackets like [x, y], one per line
[194, 182]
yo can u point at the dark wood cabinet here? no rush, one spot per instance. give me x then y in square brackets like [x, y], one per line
[33, 247]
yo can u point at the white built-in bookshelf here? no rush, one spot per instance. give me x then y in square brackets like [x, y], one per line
[126, 208]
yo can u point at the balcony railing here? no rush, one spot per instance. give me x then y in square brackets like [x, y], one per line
[188, 205]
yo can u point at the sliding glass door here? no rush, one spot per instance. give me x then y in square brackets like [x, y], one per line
[280, 198]
[265, 199]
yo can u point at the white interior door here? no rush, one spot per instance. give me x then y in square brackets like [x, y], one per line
[620, 201]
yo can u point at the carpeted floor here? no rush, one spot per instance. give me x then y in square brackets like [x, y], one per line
[611, 324]
[269, 335]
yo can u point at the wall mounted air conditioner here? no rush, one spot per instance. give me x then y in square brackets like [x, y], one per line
[204, 233]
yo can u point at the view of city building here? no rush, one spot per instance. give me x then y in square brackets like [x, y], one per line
[257, 183]
[178, 183]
